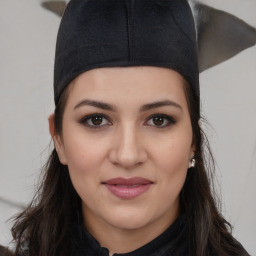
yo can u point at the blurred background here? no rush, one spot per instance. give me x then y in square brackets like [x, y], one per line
[228, 93]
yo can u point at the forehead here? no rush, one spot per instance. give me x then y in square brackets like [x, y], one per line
[128, 85]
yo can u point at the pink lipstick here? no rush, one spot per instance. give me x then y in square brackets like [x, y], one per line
[128, 188]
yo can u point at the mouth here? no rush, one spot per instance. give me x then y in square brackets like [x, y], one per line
[127, 188]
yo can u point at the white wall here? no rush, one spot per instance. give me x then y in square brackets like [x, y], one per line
[228, 93]
[28, 34]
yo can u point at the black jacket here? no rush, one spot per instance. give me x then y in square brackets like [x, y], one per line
[173, 242]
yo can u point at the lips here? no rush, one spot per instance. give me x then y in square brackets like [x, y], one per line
[128, 188]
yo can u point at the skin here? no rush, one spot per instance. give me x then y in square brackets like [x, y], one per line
[127, 143]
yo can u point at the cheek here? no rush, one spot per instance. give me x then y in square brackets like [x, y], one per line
[173, 153]
[84, 160]
[83, 152]
[171, 162]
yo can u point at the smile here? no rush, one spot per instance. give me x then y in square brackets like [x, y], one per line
[128, 188]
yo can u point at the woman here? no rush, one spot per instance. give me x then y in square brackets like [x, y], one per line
[128, 174]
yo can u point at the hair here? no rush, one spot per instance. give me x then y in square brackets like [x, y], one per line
[209, 232]
[42, 228]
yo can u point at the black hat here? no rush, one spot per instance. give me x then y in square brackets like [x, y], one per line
[121, 33]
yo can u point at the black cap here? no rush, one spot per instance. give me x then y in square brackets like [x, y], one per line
[121, 33]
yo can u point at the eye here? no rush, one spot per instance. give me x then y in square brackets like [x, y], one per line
[160, 121]
[95, 121]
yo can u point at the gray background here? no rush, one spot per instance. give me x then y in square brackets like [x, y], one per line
[228, 92]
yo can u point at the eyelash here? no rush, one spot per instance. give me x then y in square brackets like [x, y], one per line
[170, 120]
[86, 119]
[167, 119]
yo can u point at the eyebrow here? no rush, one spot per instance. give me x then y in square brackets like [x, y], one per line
[158, 104]
[96, 104]
[110, 107]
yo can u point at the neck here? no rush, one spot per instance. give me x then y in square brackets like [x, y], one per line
[121, 240]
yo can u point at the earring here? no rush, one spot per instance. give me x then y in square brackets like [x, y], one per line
[192, 163]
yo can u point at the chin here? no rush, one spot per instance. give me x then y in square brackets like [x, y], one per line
[129, 220]
[129, 224]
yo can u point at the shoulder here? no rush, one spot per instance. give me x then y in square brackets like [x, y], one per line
[5, 252]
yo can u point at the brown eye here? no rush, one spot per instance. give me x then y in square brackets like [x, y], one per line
[96, 120]
[158, 120]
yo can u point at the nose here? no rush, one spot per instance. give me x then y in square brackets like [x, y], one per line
[127, 149]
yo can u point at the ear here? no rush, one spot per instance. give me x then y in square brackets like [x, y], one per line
[58, 142]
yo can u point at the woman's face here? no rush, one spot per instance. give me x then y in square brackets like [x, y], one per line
[127, 142]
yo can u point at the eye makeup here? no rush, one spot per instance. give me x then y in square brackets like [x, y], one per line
[99, 120]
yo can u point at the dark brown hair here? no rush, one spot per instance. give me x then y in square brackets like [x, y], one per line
[42, 228]
[210, 233]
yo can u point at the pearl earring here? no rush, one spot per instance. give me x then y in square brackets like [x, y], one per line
[192, 163]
